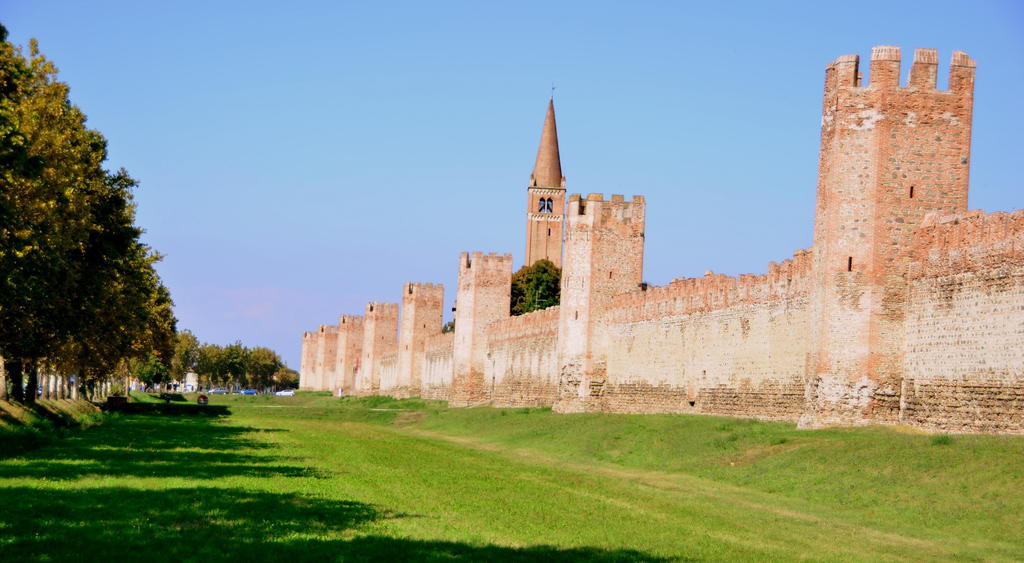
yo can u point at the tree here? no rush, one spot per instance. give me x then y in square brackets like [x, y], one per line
[262, 364]
[210, 364]
[235, 358]
[77, 287]
[149, 370]
[535, 287]
[186, 355]
[286, 378]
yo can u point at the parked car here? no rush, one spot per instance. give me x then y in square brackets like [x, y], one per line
[286, 393]
[248, 392]
[219, 391]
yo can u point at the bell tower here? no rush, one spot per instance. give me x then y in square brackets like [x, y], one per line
[545, 211]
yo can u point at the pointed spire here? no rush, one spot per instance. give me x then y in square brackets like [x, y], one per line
[547, 172]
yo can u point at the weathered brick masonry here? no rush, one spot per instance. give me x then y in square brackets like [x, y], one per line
[907, 308]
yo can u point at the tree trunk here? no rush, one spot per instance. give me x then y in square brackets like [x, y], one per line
[3, 380]
[44, 381]
[14, 373]
[33, 382]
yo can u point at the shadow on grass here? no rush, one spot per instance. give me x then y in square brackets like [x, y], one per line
[116, 524]
[144, 446]
[205, 523]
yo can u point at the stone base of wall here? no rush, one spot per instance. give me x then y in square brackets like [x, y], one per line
[524, 392]
[979, 405]
[436, 392]
[770, 400]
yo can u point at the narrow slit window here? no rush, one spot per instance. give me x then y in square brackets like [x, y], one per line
[849, 264]
[911, 192]
[576, 317]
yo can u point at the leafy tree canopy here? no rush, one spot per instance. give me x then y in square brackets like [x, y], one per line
[535, 287]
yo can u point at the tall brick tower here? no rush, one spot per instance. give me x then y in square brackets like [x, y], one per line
[485, 287]
[307, 369]
[604, 257]
[380, 336]
[545, 202]
[350, 347]
[889, 156]
[422, 305]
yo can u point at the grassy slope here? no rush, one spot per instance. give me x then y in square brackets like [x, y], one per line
[313, 478]
[23, 428]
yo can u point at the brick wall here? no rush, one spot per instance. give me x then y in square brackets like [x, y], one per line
[522, 360]
[717, 344]
[438, 367]
[964, 360]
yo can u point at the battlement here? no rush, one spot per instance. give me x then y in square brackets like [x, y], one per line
[947, 244]
[481, 261]
[440, 342]
[885, 70]
[423, 290]
[328, 329]
[600, 211]
[544, 321]
[784, 280]
[379, 309]
[348, 321]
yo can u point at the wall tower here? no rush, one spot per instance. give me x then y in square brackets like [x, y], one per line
[604, 255]
[422, 306]
[484, 295]
[545, 201]
[380, 335]
[326, 357]
[307, 367]
[889, 156]
[350, 346]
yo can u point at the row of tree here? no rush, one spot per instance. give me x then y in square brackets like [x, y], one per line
[233, 365]
[79, 295]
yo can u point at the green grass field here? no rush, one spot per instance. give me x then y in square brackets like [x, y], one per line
[312, 478]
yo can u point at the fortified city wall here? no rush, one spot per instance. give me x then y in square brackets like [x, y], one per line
[964, 359]
[907, 308]
[717, 345]
[436, 382]
[522, 359]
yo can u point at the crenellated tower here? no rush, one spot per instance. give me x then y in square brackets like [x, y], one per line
[380, 336]
[890, 155]
[349, 348]
[422, 306]
[484, 295]
[545, 201]
[326, 351]
[307, 367]
[604, 256]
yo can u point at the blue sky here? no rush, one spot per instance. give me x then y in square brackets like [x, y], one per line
[300, 159]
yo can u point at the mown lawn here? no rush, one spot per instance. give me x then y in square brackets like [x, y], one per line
[312, 478]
